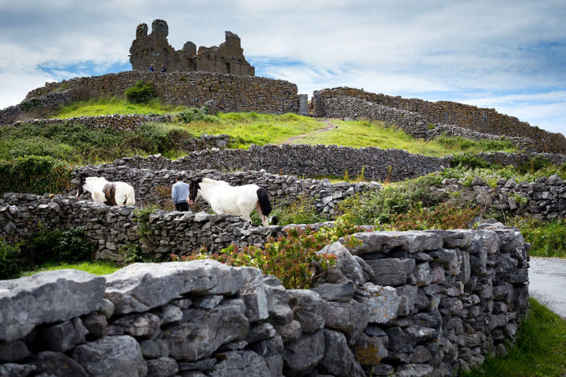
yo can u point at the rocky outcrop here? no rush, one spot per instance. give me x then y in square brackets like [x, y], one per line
[461, 295]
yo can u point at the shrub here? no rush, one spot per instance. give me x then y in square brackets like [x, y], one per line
[292, 258]
[34, 174]
[469, 161]
[301, 211]
[443, 216]
[141, 92]
[53, 246]
[195, 114]
[10, 261]
[547, 238]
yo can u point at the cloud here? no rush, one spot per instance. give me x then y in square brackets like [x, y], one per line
[435, 49]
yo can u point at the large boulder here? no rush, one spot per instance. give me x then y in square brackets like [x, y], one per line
[241, 363]
[112, 356]
[140, 287]
[46, 297]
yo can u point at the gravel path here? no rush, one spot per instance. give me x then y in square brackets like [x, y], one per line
[328, 127]
[547, 283]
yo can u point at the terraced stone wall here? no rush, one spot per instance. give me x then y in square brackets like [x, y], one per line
[405, 304]
[302, 161]
[478, 119]
[227, 92]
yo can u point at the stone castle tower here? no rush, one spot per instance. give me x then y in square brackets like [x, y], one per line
[154, 50]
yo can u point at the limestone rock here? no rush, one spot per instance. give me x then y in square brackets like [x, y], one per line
[338, 358]
[143, 286]
[241, 363]
[112, 356]
[46, 297]
[304, 354]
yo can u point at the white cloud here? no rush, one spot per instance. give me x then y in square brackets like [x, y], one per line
[401, 48]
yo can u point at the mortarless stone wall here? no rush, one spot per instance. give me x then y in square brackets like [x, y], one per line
[426, 303]
[228, 92]
[482, 120]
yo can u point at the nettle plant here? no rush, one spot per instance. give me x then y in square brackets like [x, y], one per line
[294, 258]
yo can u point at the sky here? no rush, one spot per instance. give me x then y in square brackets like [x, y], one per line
[506, 55]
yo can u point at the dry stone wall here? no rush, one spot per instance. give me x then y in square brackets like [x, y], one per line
[402, 303]
[412, 123]
[227, 92]
[482, 120]
[301, 160]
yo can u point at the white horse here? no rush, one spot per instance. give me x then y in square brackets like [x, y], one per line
[232, 200]
[109, 193]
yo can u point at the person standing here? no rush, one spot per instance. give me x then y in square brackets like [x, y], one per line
[180, 195]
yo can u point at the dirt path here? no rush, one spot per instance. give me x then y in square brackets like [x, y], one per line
[329, 126]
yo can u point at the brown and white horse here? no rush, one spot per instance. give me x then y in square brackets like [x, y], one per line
[110, 193]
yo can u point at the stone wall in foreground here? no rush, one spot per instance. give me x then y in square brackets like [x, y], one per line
[442, 112]
[404, 303]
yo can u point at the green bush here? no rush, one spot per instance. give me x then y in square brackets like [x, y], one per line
[469, 161]
[195, 114]
[53, 246]
[10, 261]
[141, 92]
[300, 211]
[34, 174]
[547, 238]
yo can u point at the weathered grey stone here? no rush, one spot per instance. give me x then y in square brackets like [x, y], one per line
[208, 302]
[59, 365]
[382, 303]
[162, 367]
[206, 331]
[241, 363]
[412, 242]
[306, 307]
[338, 358]
[414, 370]
[64, 336]
[144, 326]
[13, 351]
[170, 314]
[421, 355]
[154, 348]
[260, 332]
[46, 297]
[271, 350]
[143, 286]
[409, 297]
[96, 324]
[289, 331]
[304, 354]
[278, 302]
[254, 296]
[392, 271]
[16, 370]
[370, 350]
[351, 318]
[345, 262]
[342, 292]
[112, 356]
[107, 308]
[204, 365]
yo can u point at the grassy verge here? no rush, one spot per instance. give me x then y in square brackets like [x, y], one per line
[360, 134]
[547, 238]
[538, 351]
[111, 106]
[96, 268]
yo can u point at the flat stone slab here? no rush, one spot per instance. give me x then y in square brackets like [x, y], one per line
[46, 297]
[141, 287]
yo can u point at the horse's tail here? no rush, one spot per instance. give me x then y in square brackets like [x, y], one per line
[110, 194]
[263, 199]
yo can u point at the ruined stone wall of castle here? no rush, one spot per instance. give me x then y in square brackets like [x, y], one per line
[153, 50]
[478, 119]
[228, 92]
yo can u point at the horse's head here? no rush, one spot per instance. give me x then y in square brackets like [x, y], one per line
[80, 190]
[194, 187]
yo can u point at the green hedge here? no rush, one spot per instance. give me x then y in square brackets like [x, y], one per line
[34, 174]
[141, 92]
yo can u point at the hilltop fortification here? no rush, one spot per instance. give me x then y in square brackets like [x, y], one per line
[153, 50]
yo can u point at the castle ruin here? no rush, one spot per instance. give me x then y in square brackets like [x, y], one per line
[153, 50]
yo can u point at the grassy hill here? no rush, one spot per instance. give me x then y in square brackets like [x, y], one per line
[39, 159]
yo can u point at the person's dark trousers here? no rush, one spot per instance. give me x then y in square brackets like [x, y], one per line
[183, 206]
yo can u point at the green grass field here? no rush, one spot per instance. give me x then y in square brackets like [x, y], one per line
[96, 268]
[114, 106]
